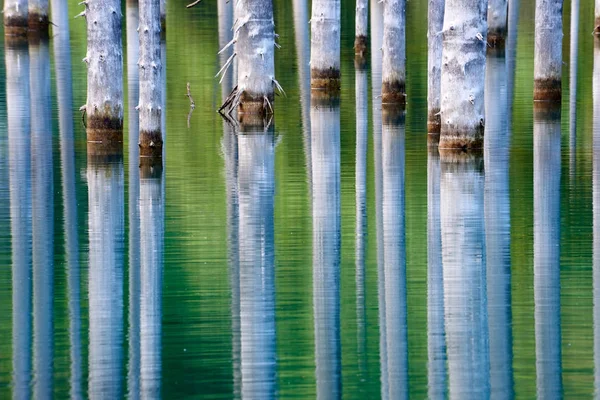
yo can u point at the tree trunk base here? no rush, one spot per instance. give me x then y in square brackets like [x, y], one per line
[458, 157]
[433, 141]
[328, 80]
[163, 27]
[256, 104]
[38, 23]
[105, 139]
[547, 110]
[496, 39]
[151, 144]
[547, 90]
[597, 26]
[434, 121]
[104, 151]
[324, 99]
[104, 122]
[393, 93]
[393, 114]
[361, 46]
[464, 139]
[15, 26]
[151, 167]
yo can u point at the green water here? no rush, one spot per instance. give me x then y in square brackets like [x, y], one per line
[197, 281]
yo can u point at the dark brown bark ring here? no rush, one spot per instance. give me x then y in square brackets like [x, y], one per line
[547, 90]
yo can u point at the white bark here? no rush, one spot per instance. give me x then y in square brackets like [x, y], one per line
[152, 215]
[325, 147]
[256, 182]
[38, 16]
[42, 217]
[106, 246]
[16, 15]
[394, 52]
[463, 255]
[225, 17]
[150, 70]
[133, 90]
[104, 57]
[547, 62]
[64, 88]
[546, 254]
[596, 211]
[497, 17]
[436, 335]
[497, 228]
[255, 50]
[19, 181]
[395, 257]
[303, 57]
[574, 40]
[361, 26]
[463, 74]
[325, 30]
[434, 64]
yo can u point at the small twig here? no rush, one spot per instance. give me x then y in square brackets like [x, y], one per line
[83, 110]
[193, 4]
[192, 105]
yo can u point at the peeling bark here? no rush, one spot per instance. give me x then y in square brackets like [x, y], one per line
[38, 17]
[150, 72]
[497, 17]
[463, 74]
[393, 90]
[325, 31]
[16, 16]
[104, 58]
[434, 64]
[361, 28]
[547, 62]
[254, 38]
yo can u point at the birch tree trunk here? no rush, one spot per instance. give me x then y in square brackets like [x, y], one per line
[497, 226]
[463, 74]
[42, 217]
[104, 58]
[464, 271]
[106, 248]
[16, 16]
[434, 65]
[573, 55]
[547, 62]
[393, 88]
[152, 215]
[497, 17]
[436, 334]
[19, 182]
[150, 70]
[254, 38]
[38, 17]
[325, 120]
[361, 40]
[546, 251]
[325, 29]
[256, 183]
[395, 253]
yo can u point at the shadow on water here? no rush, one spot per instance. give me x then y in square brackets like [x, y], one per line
[464, 274]
[105, 179]
[325, 157]
[546, 263]
[19, 149]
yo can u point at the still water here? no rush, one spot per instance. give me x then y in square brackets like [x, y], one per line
[333, 255]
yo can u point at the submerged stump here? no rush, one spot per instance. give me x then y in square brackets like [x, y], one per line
[361, 40]
[547, 64]
[434, 65]
[38, 21]
[393, 88]
[16, 17]
[325, 45]
[497, 18]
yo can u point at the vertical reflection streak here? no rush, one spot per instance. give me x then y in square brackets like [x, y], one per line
[256, 183]
[19, 162]
[463, 255]
[394, 244]
[325, 146]
[106, 247]
[546, 258]
[42, 216]
[596, 212]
